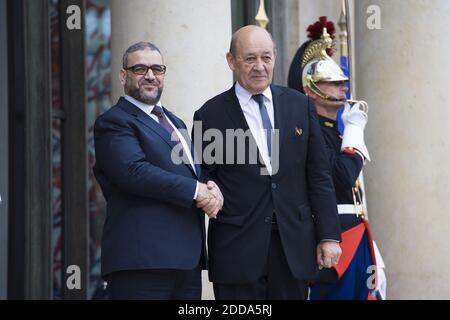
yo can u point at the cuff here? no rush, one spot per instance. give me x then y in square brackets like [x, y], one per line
[354, 137]
[196, 191]
[331, 240]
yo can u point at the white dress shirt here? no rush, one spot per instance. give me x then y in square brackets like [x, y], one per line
[253, 116]
[148, 110]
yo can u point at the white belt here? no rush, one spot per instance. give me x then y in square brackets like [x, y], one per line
[349, 209]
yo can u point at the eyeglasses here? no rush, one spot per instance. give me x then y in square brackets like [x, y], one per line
[142, 69]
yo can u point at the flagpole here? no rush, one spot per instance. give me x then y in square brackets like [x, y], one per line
[343, 27]
[347, 47]
[348, 24]
[343, 36]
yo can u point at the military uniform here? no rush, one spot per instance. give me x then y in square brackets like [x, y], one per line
[346, 168]
[348, 280]
[351, 278]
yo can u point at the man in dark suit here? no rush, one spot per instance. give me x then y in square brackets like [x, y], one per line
[279, 223]
[153, 244]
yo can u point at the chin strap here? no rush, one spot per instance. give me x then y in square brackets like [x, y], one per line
[314, 88]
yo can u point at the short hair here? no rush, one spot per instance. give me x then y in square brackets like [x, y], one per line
[233, 44]
[137, 47]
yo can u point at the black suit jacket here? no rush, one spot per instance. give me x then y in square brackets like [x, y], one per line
[152, 221]
[300, 194]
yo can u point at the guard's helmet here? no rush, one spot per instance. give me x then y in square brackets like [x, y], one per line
[313, 63]
[319, 67]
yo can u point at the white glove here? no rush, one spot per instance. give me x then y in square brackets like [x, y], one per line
[355, 121]
[354, 115]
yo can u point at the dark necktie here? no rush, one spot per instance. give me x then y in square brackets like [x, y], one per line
[158, 111]
[259, 98]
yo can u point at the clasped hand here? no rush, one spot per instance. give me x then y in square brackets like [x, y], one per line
[209, 199]
[328, 254]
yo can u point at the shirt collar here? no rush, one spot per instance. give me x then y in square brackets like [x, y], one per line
[244, 96]
[144, 107]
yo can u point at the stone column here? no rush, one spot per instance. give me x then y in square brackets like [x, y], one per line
[402, 72]
[193, 36]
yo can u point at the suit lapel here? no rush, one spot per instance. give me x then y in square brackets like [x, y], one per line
[177, 123]
[153, 125]
[147, 121]
[280, 114]
[234, 110]
[183, 131]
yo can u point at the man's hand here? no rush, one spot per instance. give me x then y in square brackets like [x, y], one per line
[328, 254]
[209, 199]
[214, 189]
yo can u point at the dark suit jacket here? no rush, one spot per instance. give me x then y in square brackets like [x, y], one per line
[151, 221]
[300, 194]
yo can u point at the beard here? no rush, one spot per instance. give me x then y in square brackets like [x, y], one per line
[141, 94]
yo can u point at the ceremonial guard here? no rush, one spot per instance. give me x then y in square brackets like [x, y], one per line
[315, 73]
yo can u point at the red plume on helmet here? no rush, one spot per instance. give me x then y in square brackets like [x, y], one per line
[315, 30]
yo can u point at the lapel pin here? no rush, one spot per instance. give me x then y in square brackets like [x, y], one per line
[298, 132]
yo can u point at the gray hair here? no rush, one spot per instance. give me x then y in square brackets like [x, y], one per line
[233, 44]
[138, 47]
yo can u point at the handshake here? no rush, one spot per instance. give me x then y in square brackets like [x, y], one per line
[209, 199]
